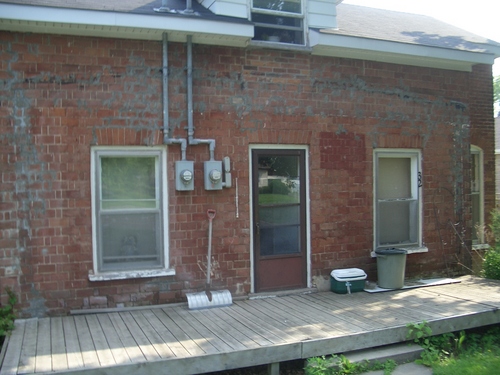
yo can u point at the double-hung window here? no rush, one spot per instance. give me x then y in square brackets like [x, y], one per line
[397, 199]
[279, 21]
[129, 212]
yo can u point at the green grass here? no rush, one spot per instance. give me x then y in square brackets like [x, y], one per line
[472, 352]
[487, 363]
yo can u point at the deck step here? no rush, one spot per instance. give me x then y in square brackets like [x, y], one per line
[400, 353]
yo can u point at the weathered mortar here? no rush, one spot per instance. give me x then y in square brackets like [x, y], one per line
[72, 93]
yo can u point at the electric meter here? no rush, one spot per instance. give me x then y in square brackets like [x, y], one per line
[184, 175]
[213, 175]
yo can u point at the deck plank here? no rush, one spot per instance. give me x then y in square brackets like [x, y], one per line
[191, 330]
[133, 351]
[13, 354]
[247, 336]
[375, 309]
[258, 326]
[43, 361]
[182, 341]
[113, 338]
[333, 323]
[370, 313]
[89, 354]
[28, 350]
[133, 321]
[100, 343]
[331, 306]
[399, 303]
[442, 305]
[278, 321]
[73, 350]
[299, 328]
[174, 345]
[191, 346]
[212, 326]
[216, 341]
[58, 345]
[154, 338]
[315, 328]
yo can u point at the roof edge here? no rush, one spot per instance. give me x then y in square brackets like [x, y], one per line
[397, 52]
[32, 15]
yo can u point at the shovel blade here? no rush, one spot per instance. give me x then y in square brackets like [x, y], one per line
[200, 300]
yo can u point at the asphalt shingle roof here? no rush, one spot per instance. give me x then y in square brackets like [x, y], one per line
[381, 24]
[353, 21]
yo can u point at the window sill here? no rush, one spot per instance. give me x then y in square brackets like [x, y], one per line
[481, 246]
[122, 275]
[409, 250]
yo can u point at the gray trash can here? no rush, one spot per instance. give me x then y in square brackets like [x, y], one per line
[391, 264]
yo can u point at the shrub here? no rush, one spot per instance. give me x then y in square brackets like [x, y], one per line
[491, 263]
[7, 315]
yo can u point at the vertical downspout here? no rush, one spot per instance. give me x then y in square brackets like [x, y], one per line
[167, 132]
[191, 139]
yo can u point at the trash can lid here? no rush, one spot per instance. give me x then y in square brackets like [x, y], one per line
[392, 251]
[348, 274]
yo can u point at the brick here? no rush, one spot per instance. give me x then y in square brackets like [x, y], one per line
[340, 108]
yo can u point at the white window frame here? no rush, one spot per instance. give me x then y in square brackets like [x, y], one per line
[161, 154]
[416, 194]
[477, 188]
[301, 15]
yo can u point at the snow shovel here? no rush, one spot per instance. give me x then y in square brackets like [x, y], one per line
[216, 298]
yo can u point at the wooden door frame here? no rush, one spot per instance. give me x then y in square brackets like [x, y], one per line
[307, 203]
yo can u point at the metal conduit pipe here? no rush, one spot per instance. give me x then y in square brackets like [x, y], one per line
[167, 132]
[191, 139]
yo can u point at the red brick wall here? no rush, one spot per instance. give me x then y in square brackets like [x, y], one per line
[60, 95]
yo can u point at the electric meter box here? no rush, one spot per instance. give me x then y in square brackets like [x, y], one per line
[347, 280]
[213, 175]
[184, 175]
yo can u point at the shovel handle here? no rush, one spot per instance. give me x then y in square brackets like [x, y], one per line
[211, 214]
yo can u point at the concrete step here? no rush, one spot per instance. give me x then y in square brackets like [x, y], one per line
[400, 353]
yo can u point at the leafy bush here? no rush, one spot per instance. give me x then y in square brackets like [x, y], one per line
[7, 315]
[340, 365]
[491, 263]
[495, 227]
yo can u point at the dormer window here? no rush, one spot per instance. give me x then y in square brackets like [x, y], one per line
[278, 21]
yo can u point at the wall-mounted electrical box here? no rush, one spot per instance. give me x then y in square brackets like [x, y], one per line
[213, 175]
[227, 172]
[184, 175]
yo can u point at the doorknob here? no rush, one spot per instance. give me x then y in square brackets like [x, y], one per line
[257, 226]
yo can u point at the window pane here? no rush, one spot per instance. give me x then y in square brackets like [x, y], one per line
[280, 240]
[278, 5]
[279, 180]
[394, 178]
[476, 214]
[397, 222]
[476, 194]
[128, 182]
[130, 240]
[279, 215]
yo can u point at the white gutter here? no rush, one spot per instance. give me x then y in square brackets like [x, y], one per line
[396, 52]
[40, 14]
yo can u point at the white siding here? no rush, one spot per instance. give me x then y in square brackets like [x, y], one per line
[322, 14]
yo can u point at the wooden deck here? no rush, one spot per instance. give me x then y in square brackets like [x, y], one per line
[176, 340]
